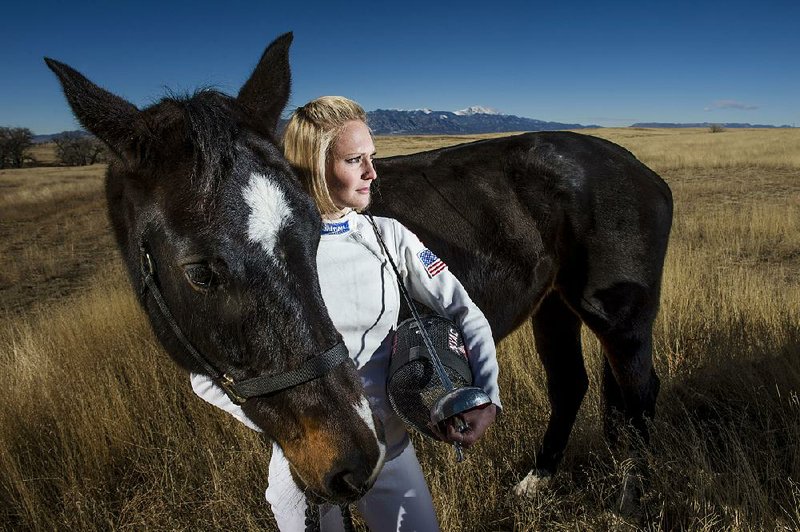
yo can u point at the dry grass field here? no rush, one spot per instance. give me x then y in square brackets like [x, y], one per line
[99, 430]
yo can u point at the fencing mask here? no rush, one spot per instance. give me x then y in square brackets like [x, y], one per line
[422, 389]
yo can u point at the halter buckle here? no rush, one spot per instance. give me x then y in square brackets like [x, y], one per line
[227, 384]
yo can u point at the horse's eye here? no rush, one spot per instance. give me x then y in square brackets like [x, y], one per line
[200, 276]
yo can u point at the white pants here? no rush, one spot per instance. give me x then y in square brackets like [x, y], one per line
[398, 501]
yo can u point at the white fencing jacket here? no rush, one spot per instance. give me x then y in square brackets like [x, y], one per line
[360, 291]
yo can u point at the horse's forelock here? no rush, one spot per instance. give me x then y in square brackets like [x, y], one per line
[201, 128]
[213, 131]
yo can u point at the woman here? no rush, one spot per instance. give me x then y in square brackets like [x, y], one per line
[331, 148]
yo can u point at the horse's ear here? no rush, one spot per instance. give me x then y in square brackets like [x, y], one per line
[109, 117]
[267, 91]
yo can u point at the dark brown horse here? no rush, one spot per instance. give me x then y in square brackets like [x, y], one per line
[220, 243]
[558, 228]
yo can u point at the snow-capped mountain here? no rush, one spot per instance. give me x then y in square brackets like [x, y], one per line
[477, 110]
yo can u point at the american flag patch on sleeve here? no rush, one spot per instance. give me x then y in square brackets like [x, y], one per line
[432, 264]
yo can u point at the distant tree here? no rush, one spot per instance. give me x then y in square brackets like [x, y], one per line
[14, 143]
[716, 128]
[75, 149]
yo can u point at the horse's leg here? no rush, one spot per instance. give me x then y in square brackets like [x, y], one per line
[557, 333]
[638, 407]
[622, 317]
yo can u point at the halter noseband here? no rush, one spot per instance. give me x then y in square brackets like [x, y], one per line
[241, 391]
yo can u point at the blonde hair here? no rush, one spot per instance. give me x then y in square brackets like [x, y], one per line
[309, 137]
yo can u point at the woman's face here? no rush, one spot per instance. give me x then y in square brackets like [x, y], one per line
[349, 171]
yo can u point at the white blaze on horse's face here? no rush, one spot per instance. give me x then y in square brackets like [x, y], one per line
[269, 211]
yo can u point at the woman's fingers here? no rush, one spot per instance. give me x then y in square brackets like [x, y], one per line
[468, 427]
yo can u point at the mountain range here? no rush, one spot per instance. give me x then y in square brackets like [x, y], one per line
[41, 139]
[470, 120]
[729, 125]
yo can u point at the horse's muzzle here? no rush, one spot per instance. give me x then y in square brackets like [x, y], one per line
[347, 481]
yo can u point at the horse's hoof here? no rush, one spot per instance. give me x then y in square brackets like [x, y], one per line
[533, 483]
[630, 500]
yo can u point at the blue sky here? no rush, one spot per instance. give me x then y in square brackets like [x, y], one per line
[607, 63]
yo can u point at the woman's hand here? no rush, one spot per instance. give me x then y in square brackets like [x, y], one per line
[477, 420]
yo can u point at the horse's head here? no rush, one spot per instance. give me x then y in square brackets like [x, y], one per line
[203, 202]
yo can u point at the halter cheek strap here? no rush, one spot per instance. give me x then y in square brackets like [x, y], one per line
[241, 391]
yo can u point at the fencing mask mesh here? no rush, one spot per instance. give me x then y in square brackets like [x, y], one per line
[413, 384]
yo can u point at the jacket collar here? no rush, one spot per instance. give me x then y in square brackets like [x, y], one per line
[341, 226]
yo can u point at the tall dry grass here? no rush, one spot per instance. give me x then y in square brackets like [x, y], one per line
[98, 430]
[53, 233]
[666, 150]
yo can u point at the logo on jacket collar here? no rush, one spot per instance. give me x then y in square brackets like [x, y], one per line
[335, 228]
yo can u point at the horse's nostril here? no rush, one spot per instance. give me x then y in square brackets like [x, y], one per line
[350, 481]
[343, 484]
[346, 483]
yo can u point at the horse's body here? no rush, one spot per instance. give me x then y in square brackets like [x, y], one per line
[559, 227]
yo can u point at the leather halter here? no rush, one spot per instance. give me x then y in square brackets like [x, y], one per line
[241, 391]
